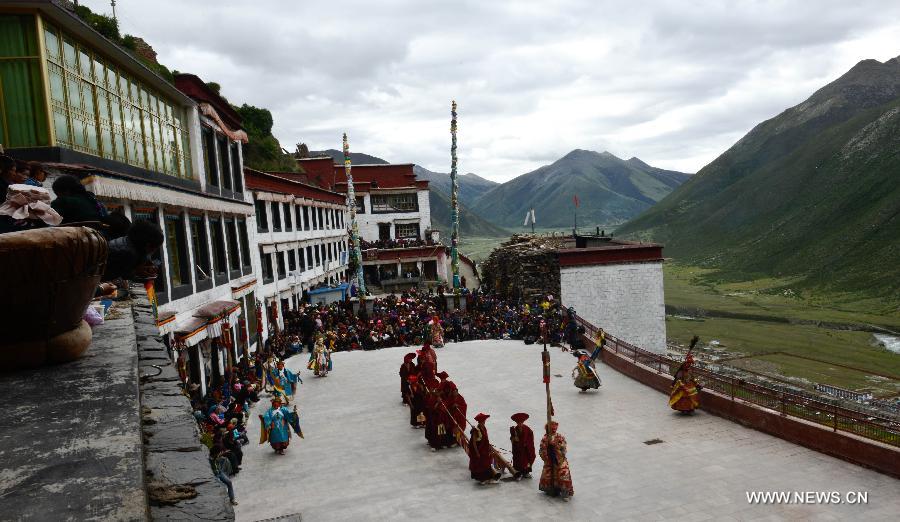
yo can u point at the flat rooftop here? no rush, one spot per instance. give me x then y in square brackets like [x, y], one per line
[361, 461]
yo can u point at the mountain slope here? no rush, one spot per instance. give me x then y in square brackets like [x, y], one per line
[470, 223]
[610, 191]
[356, 158]
[813, 192]
[471, 186]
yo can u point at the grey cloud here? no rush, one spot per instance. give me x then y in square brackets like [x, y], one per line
[534, 79]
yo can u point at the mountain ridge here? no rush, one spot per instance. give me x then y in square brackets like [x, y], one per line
[810, 193]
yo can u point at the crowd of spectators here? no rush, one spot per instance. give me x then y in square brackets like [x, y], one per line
[396, 243]
[406, 320]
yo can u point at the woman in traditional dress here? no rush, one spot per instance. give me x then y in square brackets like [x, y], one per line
[685, 393]
[555, 477]
[437, 332]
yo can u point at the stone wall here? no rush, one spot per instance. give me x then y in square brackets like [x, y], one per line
[624, 299]
[179, 479]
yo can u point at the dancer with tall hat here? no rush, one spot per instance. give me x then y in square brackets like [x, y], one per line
[276, 425]
[481, 453]
[522, 439]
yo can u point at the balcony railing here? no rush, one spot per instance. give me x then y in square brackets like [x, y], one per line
[838, 418]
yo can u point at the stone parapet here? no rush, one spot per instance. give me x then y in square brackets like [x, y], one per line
[180, 482]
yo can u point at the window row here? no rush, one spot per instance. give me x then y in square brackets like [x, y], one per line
[101, 110]
[278, 265]
[221, 161]
[390, 203]
[219, 245]
[273, 216]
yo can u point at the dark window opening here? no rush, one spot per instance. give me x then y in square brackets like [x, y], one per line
[262, 219]
[276, 217]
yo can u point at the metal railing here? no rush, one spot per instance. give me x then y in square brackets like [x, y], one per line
[838, 418]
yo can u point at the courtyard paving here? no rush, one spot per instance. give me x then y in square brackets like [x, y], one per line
[361, 461]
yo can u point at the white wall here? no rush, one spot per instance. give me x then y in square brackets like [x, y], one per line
[626, 300]
[368, 222]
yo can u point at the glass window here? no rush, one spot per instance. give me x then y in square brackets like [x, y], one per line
[209, 157]
[176, 246]
[309, 257]
[305, 217]
[152, 215]
[360, 204]
[218, 242]
[266, 259]
[201, 248]
[23, 117]
[292, 260]
[262, 219]
[298, 212]
[321, 221]
[224, 172]
[99, 111]
[244, 242]
[234, 262]
[282, 273]
[407, 230]
[318, 255]
[288, 217]
[236, 168]
[395, 203]
[276, 217]
[302, 259]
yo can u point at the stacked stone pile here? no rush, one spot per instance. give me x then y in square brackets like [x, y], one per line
[525, 267]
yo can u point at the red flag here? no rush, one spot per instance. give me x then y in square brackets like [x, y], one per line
[575, 199]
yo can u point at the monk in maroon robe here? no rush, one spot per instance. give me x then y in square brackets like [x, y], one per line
[522, 439]
[432, 420]
[445, 410]
[427, 360]
[481, 455]
[417, 403]
[406, 369]
[457, 406]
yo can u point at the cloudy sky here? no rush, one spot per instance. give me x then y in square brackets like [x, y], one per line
[674, 83]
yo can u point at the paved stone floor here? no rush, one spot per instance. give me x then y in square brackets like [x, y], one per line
[361, 461]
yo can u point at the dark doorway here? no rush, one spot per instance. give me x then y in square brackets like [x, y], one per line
[384, 231]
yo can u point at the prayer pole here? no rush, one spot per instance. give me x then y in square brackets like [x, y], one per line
[545, 360]
[454, 203]
[355, 254]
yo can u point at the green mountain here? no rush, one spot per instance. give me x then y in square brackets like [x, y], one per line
[610, 191]
[356, 158]
[471, 186]
[812, 193]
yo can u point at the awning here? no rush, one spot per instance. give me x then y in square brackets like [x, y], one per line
[166, 323]
[191, 331]
[213, 314]
[243, 289]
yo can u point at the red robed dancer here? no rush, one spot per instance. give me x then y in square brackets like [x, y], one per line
[457, 406]
[685, 393]
[522, 439]
[417, 403]
[481, 456]
[432, 417]
[406, 369]
[427, 360]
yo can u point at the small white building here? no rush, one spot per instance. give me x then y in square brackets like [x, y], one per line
[301, 240]
[394, 218]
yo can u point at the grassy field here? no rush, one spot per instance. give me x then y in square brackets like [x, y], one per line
[775, 318]
[695, 288]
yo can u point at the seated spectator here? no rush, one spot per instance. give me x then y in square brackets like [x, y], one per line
[35, 173]
[9, 174]
[75, 203]
[26, 207]
[129, 256]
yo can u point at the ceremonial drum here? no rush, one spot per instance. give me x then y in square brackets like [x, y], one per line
[47, 279]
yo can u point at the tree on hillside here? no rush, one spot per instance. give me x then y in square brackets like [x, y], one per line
[264, 152]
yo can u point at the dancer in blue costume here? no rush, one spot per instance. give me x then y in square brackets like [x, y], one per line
[284, 381]
[276, 425]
